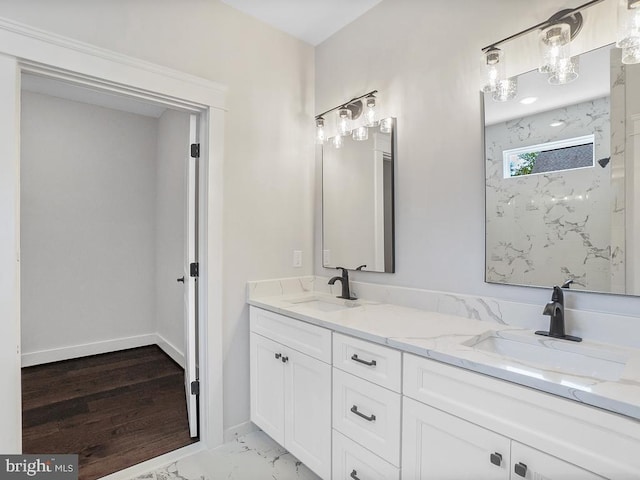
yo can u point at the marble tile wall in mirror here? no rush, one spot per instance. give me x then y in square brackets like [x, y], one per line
[551, 216]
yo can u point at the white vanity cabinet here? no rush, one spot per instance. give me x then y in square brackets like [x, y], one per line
[366, 410]
[439, 445]
[459, 424]
[291, 386]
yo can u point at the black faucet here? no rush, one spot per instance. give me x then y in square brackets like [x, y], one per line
[344, 280]
[555, 309]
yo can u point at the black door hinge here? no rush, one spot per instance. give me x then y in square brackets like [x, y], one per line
[195, 150]
[195, 388]
[194, 269]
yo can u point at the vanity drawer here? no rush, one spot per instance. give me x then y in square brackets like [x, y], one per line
[368, 414]
[352, 461]
[378, 364]
[301, 336]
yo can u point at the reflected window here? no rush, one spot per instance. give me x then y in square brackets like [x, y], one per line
[558, 156]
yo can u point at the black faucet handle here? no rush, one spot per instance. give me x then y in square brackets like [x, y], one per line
[345, 272]
[557, 295]
[567, 284]
[361, 267]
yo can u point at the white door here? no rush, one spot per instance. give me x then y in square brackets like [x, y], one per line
[531, 464]
[307, 410]
[436, 445]
[191, 383]
[267, 385]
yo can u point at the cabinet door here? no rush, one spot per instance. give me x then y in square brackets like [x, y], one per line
[531, 464]
[267, 386]
[436, 445]
[308, 411]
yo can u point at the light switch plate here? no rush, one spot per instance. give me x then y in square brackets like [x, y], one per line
[297, 258]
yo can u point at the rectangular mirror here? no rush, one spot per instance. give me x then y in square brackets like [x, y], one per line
[562, 180]
[357, 201]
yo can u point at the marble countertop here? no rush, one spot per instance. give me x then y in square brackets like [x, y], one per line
[458, 341]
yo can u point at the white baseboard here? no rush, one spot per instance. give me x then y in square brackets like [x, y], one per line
[170, 349]
[244, 428]
[65, 353]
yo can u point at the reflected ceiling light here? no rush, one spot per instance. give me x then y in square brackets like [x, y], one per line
[628, 24]
[559, 123]
[320, 133]
[346, 113]
[338, 141]
[565, 71]
[528, 100]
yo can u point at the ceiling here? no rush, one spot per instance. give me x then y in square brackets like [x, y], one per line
[312, 21]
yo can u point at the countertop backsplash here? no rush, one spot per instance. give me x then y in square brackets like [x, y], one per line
[596, 326]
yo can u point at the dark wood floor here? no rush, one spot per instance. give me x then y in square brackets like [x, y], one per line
[114, 410]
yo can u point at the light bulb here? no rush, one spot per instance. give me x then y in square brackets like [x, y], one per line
[361, 133]
[337, 141]
[370, 114]
[493, 64]
[555, 46]
[343, 122]
[320, 133]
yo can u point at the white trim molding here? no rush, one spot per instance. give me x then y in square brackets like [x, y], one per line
[26, 49]
[29, 359]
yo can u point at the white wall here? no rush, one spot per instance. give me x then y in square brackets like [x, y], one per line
[172, 151]
[87, 224]
[268, 166]
[424, 58]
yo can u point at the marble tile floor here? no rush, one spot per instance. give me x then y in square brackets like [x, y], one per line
[254, 456]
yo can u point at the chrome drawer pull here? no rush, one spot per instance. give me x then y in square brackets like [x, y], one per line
[355, 358]
[371, 418]
[354, 475]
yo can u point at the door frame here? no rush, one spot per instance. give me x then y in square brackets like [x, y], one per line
[25, 49]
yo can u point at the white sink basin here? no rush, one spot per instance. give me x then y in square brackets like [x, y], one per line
[561, 356]
[324, 304]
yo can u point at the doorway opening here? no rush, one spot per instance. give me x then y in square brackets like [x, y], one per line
[109, 275]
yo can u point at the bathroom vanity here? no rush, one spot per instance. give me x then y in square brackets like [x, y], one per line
[365, 390]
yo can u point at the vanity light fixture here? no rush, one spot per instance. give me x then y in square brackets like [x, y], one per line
[386, 124]
[555, 36]
[494, 69]
[343, 122]
[555, 48]
[361, 133]
[370, 114]
[506, 90]
[631, 55]
[628, 36]
[320, 133]
[345, 114]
